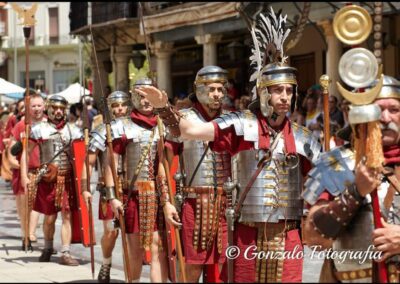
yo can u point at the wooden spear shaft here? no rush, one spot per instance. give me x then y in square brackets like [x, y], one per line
[324, 81]
[27, 33]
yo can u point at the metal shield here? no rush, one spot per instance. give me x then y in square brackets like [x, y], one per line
[358, 67]
[352, 24]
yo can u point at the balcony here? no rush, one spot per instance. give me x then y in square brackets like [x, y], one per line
[82, 14]
[78, 15]
[40, 40]
[152, 8]
[105, 12]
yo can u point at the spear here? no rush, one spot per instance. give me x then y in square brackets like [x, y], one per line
[107, 121]
[324, 81]
[85, 120]
[28, 16]
[165, 162]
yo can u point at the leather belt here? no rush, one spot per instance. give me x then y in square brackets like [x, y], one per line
[193, 191]
[354, 274]
[290, 225]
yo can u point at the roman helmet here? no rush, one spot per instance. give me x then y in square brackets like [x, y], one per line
[390, 88]
[56, 101]
[135, 96]
[119, 97]
[268, 61]
[204, 77]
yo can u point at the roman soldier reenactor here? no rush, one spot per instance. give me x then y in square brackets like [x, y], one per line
[204, 230]
[135, 143]
[55, 179]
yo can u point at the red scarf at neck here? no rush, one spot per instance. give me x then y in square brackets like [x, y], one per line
[285, 127]
[392, 155]
[199, 107]
[59, 125]
[146, 121]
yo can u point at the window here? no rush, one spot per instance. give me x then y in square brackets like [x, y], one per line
[53, 28]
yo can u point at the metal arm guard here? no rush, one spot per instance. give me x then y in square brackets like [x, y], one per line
[331, 219]
[163, 190]
[170, 118]
[110, 193]
[84, 185]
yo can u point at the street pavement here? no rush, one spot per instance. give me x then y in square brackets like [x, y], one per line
[17, 266]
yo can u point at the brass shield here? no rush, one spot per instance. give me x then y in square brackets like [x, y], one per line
[352, 24]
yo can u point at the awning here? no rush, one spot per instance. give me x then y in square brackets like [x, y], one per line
[201, 14]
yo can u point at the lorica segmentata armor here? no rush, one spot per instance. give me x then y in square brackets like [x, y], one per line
[53, 141]
[215, 168]
[276, 193]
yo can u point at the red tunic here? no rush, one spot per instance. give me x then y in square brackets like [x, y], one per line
[46, 192]
[34, 163]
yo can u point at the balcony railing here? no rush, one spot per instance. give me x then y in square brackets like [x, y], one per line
[104, 12]
[8, 42]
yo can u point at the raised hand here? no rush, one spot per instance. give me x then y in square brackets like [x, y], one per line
[156, 97]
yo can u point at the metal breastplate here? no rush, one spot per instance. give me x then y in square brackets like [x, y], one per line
[275, 194]
[215, 168]
[53, 141]
[134, 152]
[119, 127]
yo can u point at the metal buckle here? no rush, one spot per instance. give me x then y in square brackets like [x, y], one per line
[292, 161]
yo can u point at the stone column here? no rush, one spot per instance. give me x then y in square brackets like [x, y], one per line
[209, 42]
[163, 51]
[333, 55]
[101, 56]
[122, 56]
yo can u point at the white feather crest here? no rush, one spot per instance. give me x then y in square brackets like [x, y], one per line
[267, 29]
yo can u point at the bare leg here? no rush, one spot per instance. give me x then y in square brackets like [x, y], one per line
[158, 268]
[33, 222]
[108, 240]
[49, 227]
[66, 234]
[136, 255]
[20, 202]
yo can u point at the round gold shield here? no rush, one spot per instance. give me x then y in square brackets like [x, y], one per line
[352, 24]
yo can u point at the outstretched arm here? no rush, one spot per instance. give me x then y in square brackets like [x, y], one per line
[187, 129]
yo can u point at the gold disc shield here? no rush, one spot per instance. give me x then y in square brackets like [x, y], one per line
[352, 24]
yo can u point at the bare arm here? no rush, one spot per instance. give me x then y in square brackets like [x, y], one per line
[196, 131]
[11, 158]
[170, 213]
[189, 130]
[24, 174]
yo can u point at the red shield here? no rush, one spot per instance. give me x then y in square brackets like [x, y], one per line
[79, 154]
